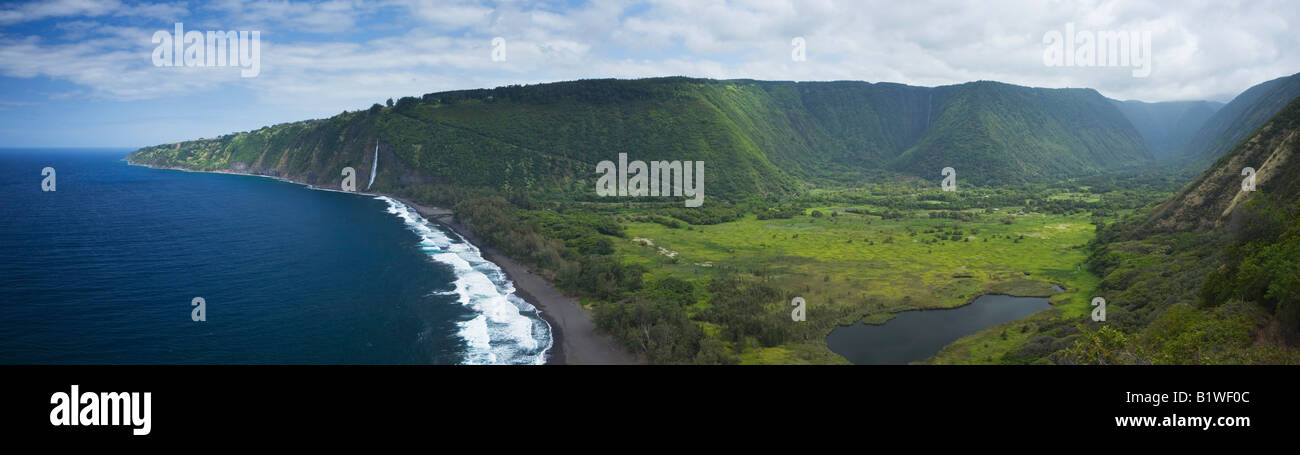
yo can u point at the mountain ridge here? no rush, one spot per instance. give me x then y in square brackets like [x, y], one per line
[1212, 199]
[1237, 120]
[1208, 275]
[768, 137]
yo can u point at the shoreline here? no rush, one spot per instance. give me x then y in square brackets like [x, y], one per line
[574, 339]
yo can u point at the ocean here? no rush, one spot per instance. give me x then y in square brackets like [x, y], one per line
[105, 270]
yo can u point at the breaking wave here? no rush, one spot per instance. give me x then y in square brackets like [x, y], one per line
[505, 329]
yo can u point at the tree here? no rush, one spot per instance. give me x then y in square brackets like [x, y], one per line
[713, 352]
[406, 103]
[1105, 346]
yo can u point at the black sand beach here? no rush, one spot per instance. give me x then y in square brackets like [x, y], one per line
[576, 341]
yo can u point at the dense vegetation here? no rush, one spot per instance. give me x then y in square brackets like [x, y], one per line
[1236, 120]
[1210, 276]
[826, 191]
[757, 138]
[713, 286]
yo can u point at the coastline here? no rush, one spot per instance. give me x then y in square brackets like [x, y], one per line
[574, 339]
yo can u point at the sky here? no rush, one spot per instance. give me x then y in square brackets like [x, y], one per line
[80, 73]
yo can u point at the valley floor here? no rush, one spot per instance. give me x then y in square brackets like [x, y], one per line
[850, 267]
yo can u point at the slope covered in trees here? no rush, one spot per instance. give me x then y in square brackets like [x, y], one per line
[1238, 119]
[756, 138]
[1208, 276]
[995, 132]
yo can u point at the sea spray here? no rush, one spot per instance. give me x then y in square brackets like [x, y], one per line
[505, 329]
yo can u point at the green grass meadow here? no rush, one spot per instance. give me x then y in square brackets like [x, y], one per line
[851, 267]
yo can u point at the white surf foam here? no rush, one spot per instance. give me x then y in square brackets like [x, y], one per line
[505, 329]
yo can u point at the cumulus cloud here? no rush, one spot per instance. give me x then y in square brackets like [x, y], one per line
[56, 8]
[346, 54]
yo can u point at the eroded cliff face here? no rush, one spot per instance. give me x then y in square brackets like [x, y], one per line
[1213, 200]
[758, 138]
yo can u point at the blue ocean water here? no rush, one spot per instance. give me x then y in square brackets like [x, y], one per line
[103, 270]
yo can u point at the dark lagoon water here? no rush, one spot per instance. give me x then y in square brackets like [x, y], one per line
[916, 335]
[104, 269]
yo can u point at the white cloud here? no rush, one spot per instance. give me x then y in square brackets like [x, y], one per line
[40, 10]
[449, 14]
[1202, 49]
[57, 8]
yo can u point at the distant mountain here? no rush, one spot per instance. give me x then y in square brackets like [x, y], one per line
[995, 132]
[1168, 126]
[1214, 199]
[756, 137]
[1238, 119]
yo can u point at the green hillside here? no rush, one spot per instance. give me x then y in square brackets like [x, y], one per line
[756, 138]
[995, 132]
[1208, 276]
[1238, 119]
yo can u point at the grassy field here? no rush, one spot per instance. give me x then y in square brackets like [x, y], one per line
[851, 267]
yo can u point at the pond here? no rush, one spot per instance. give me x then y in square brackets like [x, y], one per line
[916, 335]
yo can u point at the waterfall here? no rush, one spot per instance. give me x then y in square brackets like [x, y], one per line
[374, 167]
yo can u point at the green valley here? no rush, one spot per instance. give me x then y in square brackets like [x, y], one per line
[825, 191]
